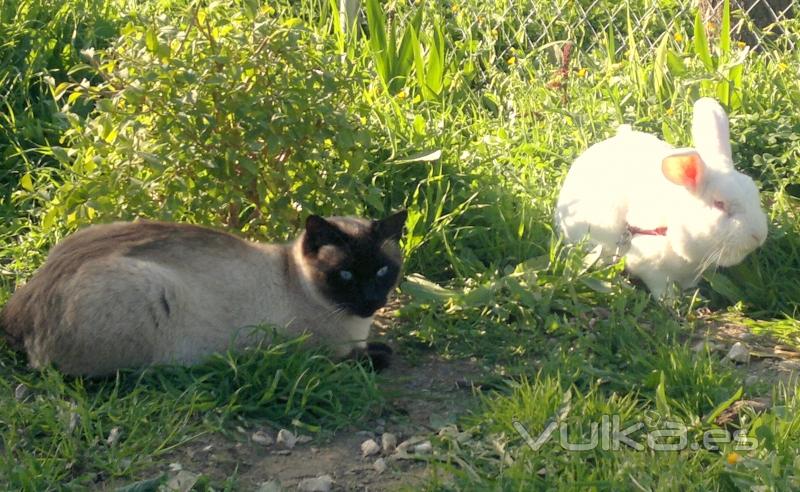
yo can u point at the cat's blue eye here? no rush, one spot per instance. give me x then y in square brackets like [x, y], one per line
[383, 271]
[346, 274]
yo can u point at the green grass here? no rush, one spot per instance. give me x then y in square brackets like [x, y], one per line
[56, 430]
[471, 124]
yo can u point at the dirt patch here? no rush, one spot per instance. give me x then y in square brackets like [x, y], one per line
[423, 394]
[768, 360]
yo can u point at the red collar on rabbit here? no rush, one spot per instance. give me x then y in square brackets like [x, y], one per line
[658, 231]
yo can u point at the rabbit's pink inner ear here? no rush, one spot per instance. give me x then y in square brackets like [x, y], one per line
[685, 169]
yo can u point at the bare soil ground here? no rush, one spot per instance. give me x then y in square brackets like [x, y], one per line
[423, 393]
[422, 396]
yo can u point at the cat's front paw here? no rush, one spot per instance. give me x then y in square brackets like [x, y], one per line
[378, 354]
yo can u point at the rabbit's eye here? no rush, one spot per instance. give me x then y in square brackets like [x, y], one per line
[720, 205]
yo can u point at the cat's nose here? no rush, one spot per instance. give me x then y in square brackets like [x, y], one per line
[372, 296]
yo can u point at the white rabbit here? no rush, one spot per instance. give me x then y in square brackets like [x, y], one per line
[671, 212]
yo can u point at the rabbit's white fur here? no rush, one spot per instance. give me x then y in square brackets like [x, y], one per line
[617, 194]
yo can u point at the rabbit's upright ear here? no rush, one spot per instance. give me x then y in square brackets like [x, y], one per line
[711, 133]
[684, 167]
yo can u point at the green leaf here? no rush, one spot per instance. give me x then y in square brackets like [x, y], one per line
[424, 156]
[26, 182]
[148, 485]
[675, 64]
[662, 403]
[419, 64]
[60, 154]
[597, 285]
[422, 289]
[725, 33]
[701, 43]
[611, 46]
[405, 56]
[659, 74]
[723, 286]
[722, 406]
[434, 65]
[151, 40]
[376, 20]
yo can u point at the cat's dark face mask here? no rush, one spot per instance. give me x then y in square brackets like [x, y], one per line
[356, 263]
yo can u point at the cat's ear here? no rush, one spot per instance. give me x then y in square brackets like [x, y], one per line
[391, 227]
[319, 232]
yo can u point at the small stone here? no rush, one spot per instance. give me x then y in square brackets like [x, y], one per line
[183, 481]
[751, 380]
[286, 439]
[789, 365]
[388, 442]
[282, 452]
[409, 443]
[314, 450]
[271, 486]
[262, 438]
[74, 420]
[423, 448]
[379, 465]
[302, 439]
[739, 353]
[369, 447]
[113, 436]
[20, 392]
[323, 483]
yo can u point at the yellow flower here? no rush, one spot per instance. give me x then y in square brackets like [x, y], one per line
[670, 111]
[678, 37]
[402, 94]
[782, 67]
[454, 8]
[711, 27]
[511, 61]
[582, 72]
[733, 458]
[741, 44]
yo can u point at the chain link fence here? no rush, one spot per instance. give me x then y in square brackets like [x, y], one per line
[593, 24]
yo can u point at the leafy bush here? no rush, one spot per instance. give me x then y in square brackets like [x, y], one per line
[226, 114]
[40, 39]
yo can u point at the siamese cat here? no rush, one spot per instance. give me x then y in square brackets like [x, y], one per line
[134, 294]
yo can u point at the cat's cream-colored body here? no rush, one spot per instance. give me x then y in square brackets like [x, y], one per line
[142, 293]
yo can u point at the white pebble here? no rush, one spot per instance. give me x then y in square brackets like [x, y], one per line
[739, 353]
[262, 438]
[286, 439]
[423, 448]
[113, 436]
[369, 447]
[20, 392]
[322, 483]
[388, 442]
[379, 465]
[271, 486]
